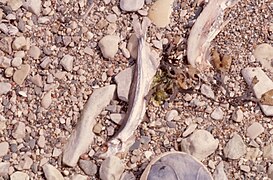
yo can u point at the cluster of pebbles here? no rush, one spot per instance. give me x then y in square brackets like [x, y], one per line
[54, 55]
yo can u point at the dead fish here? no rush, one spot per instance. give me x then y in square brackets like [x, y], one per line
[145, 69]
[209, 23]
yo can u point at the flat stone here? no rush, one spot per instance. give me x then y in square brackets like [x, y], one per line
[82, 137]
[56, 152]
[117, 118]
[9, 72]
[41, 141]
[245, 168]
[263, 53]
[88, 167]
[207, 91]
[132, 46]
[254, 130]
[98, 128]
[19, 131]
[270, 171]
[4, 88]
[170, 115]
[52, 173]
[37, 80]
[79, 177]
[20, 75]
[4, 148]
[34, 6]
[111, 168]
[131, 5]
[200, 144]
[109, 46]
[46, 100]
[45, 62]
[189, 129]
[34, 52]
[111, 18]
[16, 61]
[123, 80]
[67, 62]
[127, 176]
[5, 62]
[268, 151]
[237, 115]
[235, 148]
[160, 12]
[15, 4]
[4, 168]
[26, 162]
[217, 114]
[219, 173]
[261, 84]
[19, 43]
[19, 176]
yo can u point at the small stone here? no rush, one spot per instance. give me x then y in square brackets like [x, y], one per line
[46, 100]
[4, 88]
[217, 114]
[4, 168]
[19, 43]
[34, 52]
[235, 148]
[263, 53]
[41, 141]
[117, 118]
[15, 4]
[9, 72]
[19, 176]
[111, 168]
[20, 75]
[207, 91]
[219, 173]
[131, 5]
[37, 80]
[56, 152]
[254, 130]
[109, 46]
[20, 54]
[111, 18]
[26, 162]
[16, 62]
[127, 176]
[34, 6]
[19, 131]
[88, 50]
[170, 115]
[4, 62]
[268, 151]
[160, 12]
[132, 46]
[148, 154]
[79, 177]
[200, 144]
[4, 148]
[52, 173]
[245, 168]
[45, 62]
[237, 116]
[252, 153]
[190, 129]
[123, 80]
[67, 62]
[88, 167]
[270, 171]
[98, 128]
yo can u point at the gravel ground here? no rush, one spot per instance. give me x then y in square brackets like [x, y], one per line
[51, 60]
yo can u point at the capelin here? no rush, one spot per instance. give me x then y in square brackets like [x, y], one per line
[110, 149]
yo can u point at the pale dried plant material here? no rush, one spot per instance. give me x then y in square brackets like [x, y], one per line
[267, 98]
[145, 69]
[221, 63]
[209, 23]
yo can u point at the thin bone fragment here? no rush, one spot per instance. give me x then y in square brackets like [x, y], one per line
[209, 23]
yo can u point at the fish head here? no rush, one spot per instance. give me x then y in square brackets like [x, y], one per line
[111, 148]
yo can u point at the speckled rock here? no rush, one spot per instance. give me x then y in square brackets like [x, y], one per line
[235, 148]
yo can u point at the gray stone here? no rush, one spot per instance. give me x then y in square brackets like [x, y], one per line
[16, 61]
[111, 168]
[19, 43]
[191, 128]
[270, 171]
[254, 130]
[4, 62]
[41, 141]
[82, 137]
[217, 114]
[238, 116]
[45, 62]
[34, 6]
[46, 100]
[19, 131]
[268, 151]
[4, 168]
[170, 115]
[109, 46]
[19, 176]
[37, 80]
[4, 88]
[117, 118]
[4, 148]
[56, 152]
[235, 148]
[20, 75]
[88, 167]
[15, 4]
[207, 91]
[26, 162]
[123, 80]
[67, 62]
[79, 177]
[200, 144]
[219, 173]
[131, 5]
[52, 173]
[132, 46]
[262, 85]
[127, 176]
